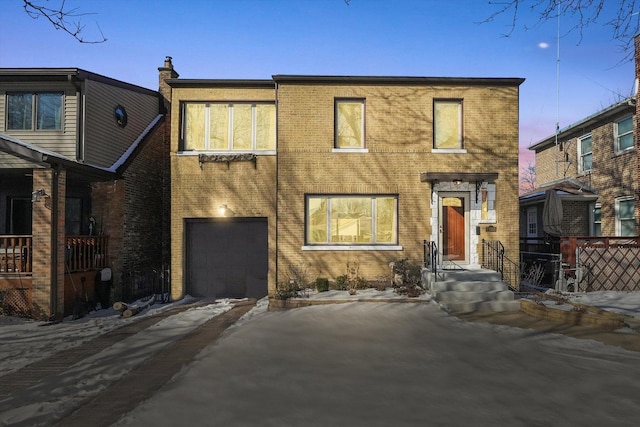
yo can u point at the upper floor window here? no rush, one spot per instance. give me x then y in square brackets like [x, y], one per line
[625, 218]
[229, 127]
[623, 134]
[349, 123]
[40, 111]
[447, 124]
[585, 154]
[351, 220]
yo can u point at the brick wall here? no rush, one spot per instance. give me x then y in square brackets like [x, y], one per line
[575, 218]
[48, 264]
[197, 190]
[131, 211]
[613, 174]
[399, 140]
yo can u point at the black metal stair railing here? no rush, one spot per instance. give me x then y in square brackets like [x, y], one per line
[430, 257]
[493, 258]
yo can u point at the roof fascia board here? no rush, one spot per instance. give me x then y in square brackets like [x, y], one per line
[398, 80]
[576, 129]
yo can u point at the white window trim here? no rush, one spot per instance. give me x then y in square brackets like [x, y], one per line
[460, 148]
[369, 246]
[351, 248]
[350, 150]
[617, 213]
[449, 151]
[616, 136]
[580, 154]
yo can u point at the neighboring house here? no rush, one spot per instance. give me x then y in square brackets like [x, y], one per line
[81, 185]
[593, 166]
[295, 176]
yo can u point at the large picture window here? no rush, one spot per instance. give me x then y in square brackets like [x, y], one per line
[349, 123]
[229, 127]
[351, 220]
[623, 134]
[40, 111]
[447, 124]
[585, 154]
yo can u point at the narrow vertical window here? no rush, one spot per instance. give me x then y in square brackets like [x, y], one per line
[597, 220]
[585, 154]
[349, 123]
[194, 127]
[532, 222]
[49, 111]
[447, 124]
[219, 127]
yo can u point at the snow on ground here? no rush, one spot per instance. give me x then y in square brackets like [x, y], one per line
[26, 341]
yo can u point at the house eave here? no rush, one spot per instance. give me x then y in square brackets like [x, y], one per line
[43, 158]
[398, 80]
[578, 128]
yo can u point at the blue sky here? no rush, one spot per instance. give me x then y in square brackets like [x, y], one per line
[260, 38]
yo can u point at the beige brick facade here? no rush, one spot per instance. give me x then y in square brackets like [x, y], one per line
[614, 175]
[398, 150]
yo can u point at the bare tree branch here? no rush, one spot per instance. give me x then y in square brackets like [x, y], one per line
[624, 25]
[528, 178]
[66, 20]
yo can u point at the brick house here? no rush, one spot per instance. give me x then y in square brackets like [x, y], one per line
[593, 166]
[81, 185]
[277, 178]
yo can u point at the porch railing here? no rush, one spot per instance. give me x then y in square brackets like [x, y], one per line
[493, 258]
[81, 253]
[15, 254]
[430, 257]
[86, 252]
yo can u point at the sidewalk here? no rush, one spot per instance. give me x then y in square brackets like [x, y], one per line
[625, 338]
[45, 382]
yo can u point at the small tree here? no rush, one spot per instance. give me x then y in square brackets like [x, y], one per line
[528, 178]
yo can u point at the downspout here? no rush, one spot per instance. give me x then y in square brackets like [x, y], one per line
[79, 118]
[277, 190]
[54, 244]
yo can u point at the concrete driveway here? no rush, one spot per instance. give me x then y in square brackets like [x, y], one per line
[391, 364]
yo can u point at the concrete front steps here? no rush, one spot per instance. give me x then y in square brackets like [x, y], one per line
[465, 291]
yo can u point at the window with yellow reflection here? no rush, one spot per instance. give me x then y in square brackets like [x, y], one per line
[447, 124]
[219, 126]
[351, 220]
[349, 123]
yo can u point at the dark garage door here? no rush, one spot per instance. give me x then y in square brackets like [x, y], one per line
[227, 258]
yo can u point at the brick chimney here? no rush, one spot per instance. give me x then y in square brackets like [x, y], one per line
[166, 72]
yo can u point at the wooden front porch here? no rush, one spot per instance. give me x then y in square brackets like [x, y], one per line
[83, 256]
[81, 253]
